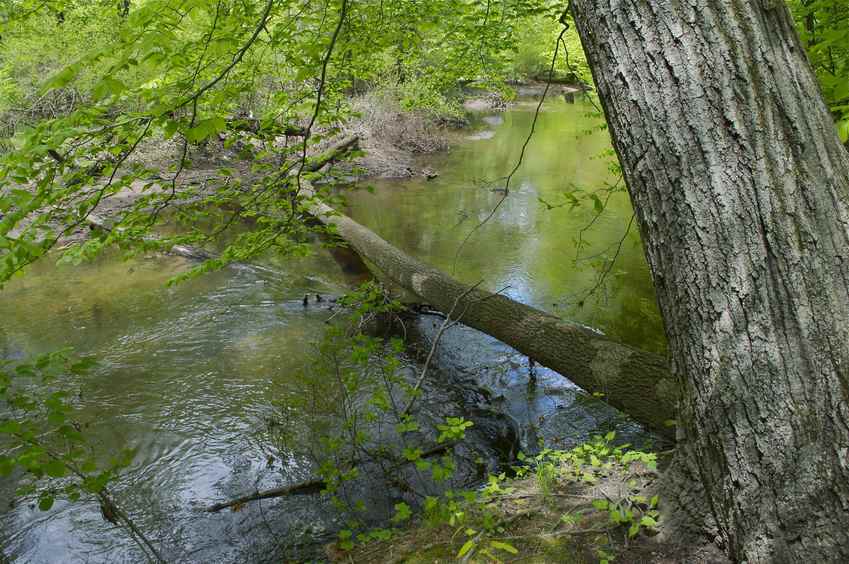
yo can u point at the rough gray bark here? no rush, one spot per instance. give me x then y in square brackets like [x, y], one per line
[634, 381]
[741, 188]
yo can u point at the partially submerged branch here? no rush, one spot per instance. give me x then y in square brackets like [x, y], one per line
[309, 486]
[301, 488]
[637, 382]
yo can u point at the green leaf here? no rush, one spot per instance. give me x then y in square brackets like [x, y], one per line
[170, 128]
[205, 128]
[843, 130]
[108, 86]
[600, 504]
[598, 206]
[56, 418]
[412, 454]
[45, 502]
[498, 545]
[61, 79]
[55, 469]
[6, 465]
[466, 548]
[647, 521]
[10, 427]
[633, 530]
[402, 512]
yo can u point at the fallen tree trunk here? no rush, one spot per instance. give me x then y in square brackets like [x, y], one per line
[636, 382]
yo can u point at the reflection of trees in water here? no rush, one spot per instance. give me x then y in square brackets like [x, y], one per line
[524, 245]
[624, 306]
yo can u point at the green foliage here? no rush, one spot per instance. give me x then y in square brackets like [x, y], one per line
[594, 461]
[194, 72]
[534, 50]
[77, 110]
[823, 26]
[454, 429]
[597, 486]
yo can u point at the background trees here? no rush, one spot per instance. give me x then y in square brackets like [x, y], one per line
[823, 27]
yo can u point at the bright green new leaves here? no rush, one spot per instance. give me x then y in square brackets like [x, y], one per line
[823, 26]
[206, 128]
[194, 73]
[454, 429]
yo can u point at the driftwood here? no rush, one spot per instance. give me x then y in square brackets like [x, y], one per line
[349, 263]
[333, 154]
[187, 251]
[253, 125]
[302, 488]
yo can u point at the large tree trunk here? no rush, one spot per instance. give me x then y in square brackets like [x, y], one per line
[741, 188]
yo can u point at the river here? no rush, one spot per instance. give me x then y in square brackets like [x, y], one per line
[187, 374]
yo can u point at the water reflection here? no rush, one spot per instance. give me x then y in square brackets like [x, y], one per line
[525, 247]
[185, 376]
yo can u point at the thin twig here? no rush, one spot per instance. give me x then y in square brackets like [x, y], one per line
[236, 59]
[343, 11]
[104, 497]
[610, 264]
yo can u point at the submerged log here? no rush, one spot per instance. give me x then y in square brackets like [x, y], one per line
[186, 251]
[636, 382]
[312, 486]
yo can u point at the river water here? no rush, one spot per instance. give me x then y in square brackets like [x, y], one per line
[187, 374]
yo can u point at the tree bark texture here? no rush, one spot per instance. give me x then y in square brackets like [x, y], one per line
[741, 189]
[634, 381]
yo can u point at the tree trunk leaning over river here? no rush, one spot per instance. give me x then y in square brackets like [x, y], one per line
[741, 189]
[634, 381]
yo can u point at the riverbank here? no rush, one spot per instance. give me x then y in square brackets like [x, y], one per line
[595, 503]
